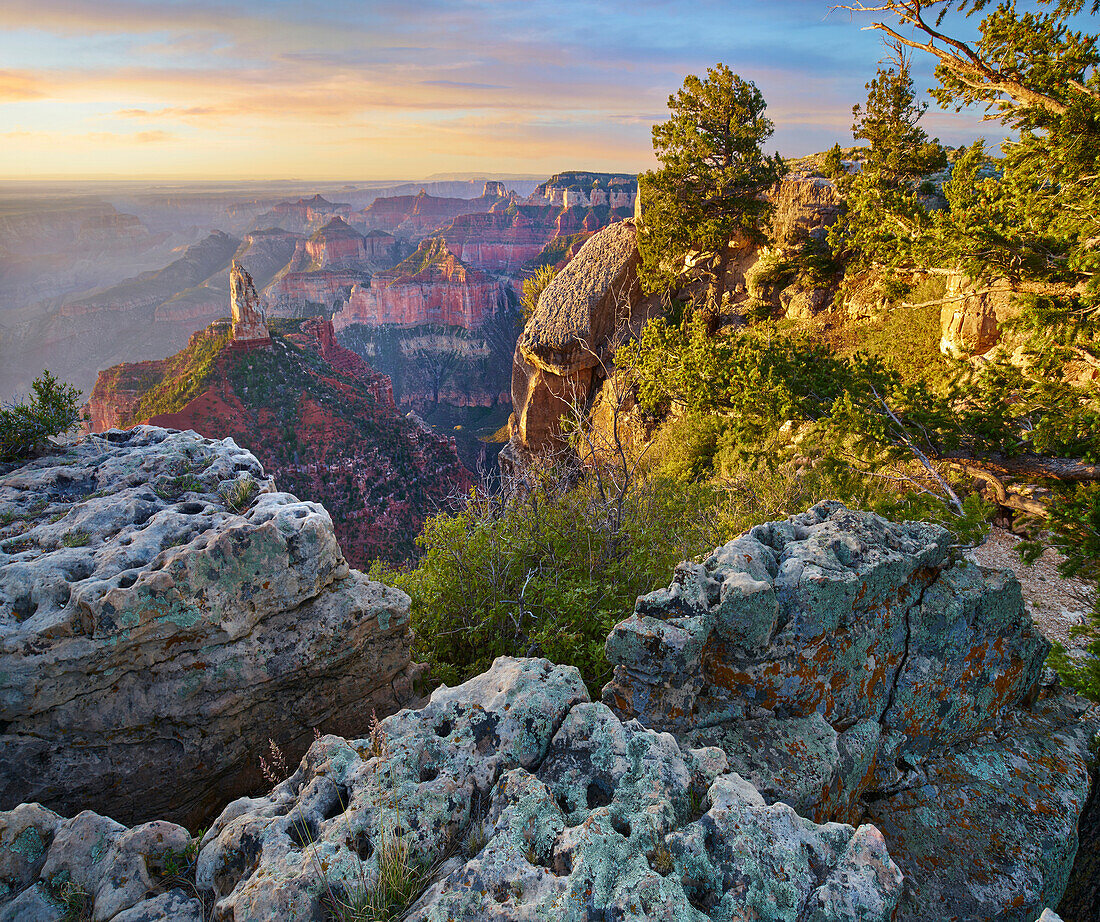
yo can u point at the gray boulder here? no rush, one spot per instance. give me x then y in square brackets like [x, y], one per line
[155, 630]
[856, 670]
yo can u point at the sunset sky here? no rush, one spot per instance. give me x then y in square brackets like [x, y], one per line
[266, 89]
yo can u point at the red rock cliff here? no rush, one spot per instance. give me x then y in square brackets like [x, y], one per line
[431, 286]
[321, 421]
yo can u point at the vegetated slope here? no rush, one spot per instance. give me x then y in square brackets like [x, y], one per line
[321, 421]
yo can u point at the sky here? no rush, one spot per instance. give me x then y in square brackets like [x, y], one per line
[358, 89]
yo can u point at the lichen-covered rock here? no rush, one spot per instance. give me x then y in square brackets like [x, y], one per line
[989, 828]
[25, 836]
[152, 637]
[854, 669]
[122, 875]
[534, 803]
[840, 722]
[525, 799]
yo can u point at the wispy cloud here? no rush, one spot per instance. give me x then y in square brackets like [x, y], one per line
[361, 88]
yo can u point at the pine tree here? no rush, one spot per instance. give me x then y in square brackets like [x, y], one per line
[885, 217]
[713, 172]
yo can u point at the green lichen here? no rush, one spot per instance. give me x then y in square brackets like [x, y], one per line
[29, 844]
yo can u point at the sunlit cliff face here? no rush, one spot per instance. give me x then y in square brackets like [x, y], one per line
[135, 89]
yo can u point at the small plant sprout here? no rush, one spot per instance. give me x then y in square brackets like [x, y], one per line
[240, 494]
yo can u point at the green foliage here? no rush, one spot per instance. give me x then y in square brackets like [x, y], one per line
[186, 376]
[77, 538]
[550, 567]
[399, 883]
[907, 338]
[1074, 523]
[26, 427]
[832, 164]
[533, 288]
[885, 218]
[775, 391]
[712, 174]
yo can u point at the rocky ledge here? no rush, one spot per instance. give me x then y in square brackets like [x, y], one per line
[163, 612]
[856, 670]
[831, 719]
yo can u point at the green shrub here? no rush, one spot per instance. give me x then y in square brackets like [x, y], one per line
[533, 289]
[26, 427]
[77, 538]
[549, 568]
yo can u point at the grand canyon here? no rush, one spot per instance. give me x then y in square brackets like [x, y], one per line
[496, 462]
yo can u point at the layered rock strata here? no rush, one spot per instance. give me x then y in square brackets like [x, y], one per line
[249, 323]
[432, 286]
[566, 345]
[417, 216]
[578, 187]
[163, 612]
[853, 669]
[511, 239]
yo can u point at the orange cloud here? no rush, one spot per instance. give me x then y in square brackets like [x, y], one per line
[16, 86]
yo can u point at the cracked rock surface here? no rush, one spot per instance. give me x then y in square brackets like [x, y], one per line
[855, 669]
[152, 637]
[829, 720]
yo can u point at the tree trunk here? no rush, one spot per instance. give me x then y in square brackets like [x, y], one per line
[1069, 470]
[718, 290]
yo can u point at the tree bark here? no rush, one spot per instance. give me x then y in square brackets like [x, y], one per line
[1067, 470]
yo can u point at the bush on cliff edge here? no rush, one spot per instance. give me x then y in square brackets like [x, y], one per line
[25, 427]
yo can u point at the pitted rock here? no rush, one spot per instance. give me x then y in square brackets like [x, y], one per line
[152, 638]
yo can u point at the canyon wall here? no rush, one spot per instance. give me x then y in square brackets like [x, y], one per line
[431, 286]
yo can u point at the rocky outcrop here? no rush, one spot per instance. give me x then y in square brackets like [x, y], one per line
[431, 286]
[249, 323]
[338, 244]
[564, 346]
[119, 390]
[972, 315]
[832, 663]
[313, 292]
[511, 238]
[163, 611]
[538, 804]
[851, 668]
[806, 206]
[579, 187]
[418, 216]
[304, 215]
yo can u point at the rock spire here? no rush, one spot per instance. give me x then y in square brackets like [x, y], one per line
[249, 323]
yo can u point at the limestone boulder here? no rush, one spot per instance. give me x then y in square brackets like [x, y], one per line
[857, 671]
[569, 339]
[527, 801]
[118, 874]
[163, 612]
